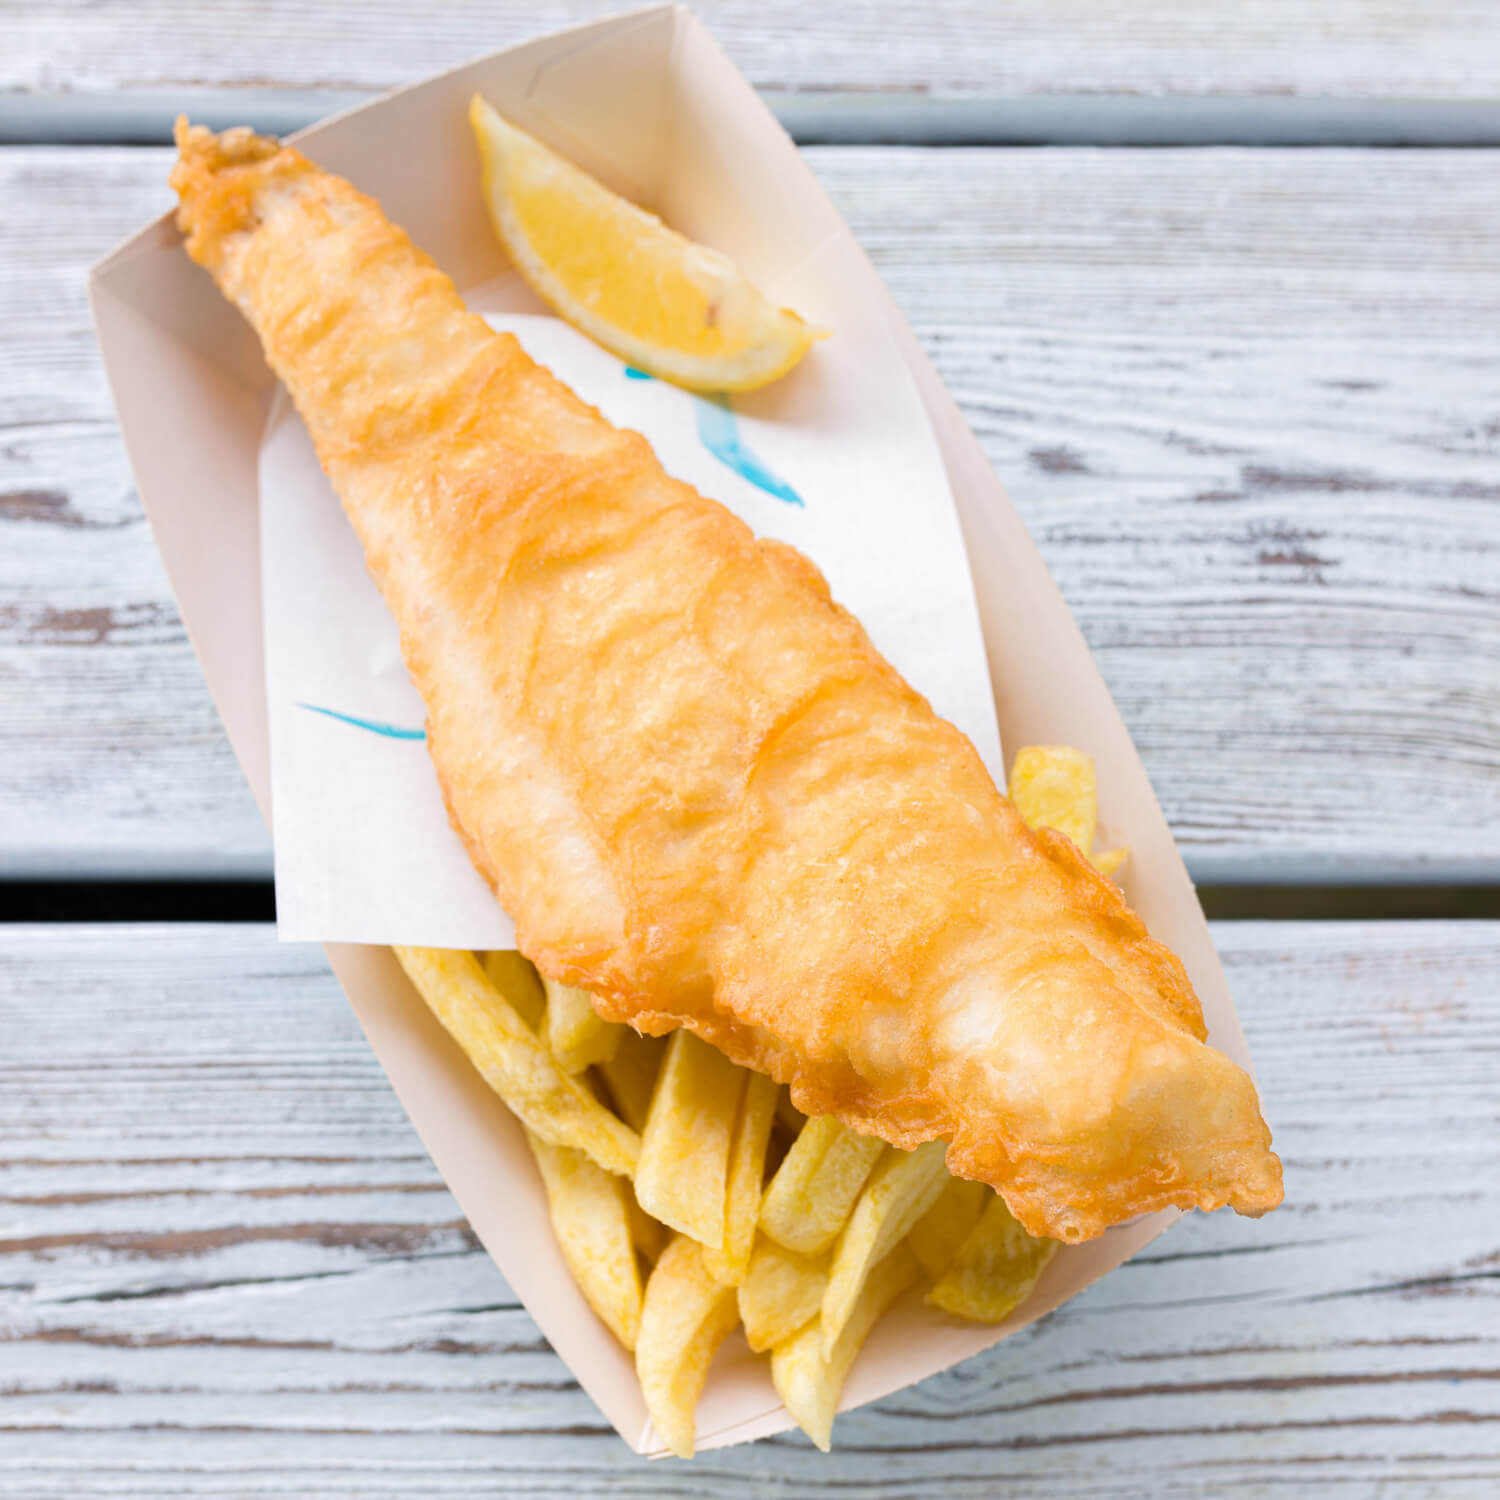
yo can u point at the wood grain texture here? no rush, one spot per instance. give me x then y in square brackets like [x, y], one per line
[1245, 400]
[104, 719]
[1340, 48]
[226, 1266]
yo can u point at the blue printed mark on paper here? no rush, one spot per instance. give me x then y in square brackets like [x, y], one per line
[719, 432]
[374, 726]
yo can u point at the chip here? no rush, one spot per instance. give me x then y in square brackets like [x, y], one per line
[903, 1186]
[682, 1175]
[1107, 861]
[747, 1175]
[576, 1033]
[1053, 786]
[810, 1382]
[512, 1060]
[648, 1235]
[520, 984]
[686, 1315]
[590, 1210]
[816, 1186]
[630, 1075]
[994, 1270]
[936, 1236]
[780, 1293]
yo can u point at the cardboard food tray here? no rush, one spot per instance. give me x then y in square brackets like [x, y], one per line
[192, 394]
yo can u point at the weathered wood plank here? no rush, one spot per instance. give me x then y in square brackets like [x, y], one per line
[226, 1267]
[1243, 398]
[1342, 48]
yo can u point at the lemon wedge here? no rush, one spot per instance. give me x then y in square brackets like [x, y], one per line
[672, 308]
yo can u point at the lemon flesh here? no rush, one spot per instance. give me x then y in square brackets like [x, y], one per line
[672, 308]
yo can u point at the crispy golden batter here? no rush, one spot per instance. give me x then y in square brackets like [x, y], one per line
[689, 776]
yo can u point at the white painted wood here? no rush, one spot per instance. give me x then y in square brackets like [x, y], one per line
[1338, 48]
[1244, 399]
[227, 1268]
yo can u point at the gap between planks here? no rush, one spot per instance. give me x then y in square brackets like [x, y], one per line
[854, 118]
[246, 901]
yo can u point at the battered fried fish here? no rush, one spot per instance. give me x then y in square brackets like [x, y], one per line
[688, 775]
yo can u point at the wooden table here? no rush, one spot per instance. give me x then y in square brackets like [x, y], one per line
[1246, 398]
